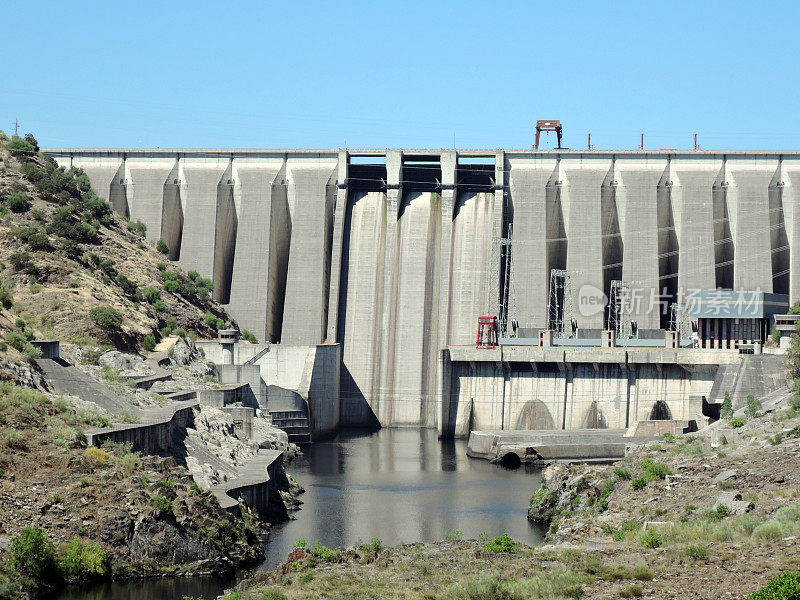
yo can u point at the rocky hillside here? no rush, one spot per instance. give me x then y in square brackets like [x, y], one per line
[73, 270]
[698, 508]
[77, 514]
[711, 515]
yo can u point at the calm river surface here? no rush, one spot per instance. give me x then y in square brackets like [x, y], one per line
[401, 485]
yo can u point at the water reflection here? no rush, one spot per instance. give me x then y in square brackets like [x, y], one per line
[401, 485]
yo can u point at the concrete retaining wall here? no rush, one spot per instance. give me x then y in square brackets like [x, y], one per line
[152, 436]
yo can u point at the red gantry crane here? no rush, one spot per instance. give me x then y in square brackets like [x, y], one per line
[548, 125]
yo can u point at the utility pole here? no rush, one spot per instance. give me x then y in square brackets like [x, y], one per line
[16, 127]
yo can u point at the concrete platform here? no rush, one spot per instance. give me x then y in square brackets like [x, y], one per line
[511, 448]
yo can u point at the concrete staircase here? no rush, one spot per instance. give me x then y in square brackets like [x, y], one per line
[258, 355]
[295, 423]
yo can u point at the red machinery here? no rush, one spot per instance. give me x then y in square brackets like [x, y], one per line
[487, 333]
[548, 125]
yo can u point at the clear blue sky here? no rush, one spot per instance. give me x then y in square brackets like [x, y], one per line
[401, 74]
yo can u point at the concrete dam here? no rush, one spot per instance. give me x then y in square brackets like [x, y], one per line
[394, 254]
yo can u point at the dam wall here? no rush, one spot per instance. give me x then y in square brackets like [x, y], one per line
[391, 254]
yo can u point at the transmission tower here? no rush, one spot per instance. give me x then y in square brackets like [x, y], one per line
[619, 307]
[560, 310]
[680, 321]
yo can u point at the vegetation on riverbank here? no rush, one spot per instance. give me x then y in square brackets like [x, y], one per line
[72, 513]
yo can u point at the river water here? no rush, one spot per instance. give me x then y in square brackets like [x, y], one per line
[401, 485]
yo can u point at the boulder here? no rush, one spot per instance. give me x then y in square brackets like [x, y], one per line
[130, 365]
[734, 503]
[183, 351]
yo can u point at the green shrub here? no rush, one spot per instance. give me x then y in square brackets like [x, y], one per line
[753, 409]
[35, 237]
[772, 530]
[323, 553]
[17, 340]
[210, 320]
[554, 583]
[248, 337]
[66, 225]
[655, 470]
[652, 539]
[726, 409]
[602, 501]
[775, 334]
[128, 286]
[148, 342]
[782, 587]
[697, 552]
[454, 535]
[32, 554]
[374, 545]
[128, 463]
[736, 422]
[502, 543]
[96, 457]
[22, 148]
[14, 439]
[150, 294]
[162, 247]
[301, 543]
[639, 483]
[622, 472]
[106, 318]
[162, 504]
[127, 416]
[641, 572]
[6, 295]
[631, 591]
[717, 514]
[80, 560]
[21, 262]
[138, 227]
[306, 577]
[18, 202]
[159, 306]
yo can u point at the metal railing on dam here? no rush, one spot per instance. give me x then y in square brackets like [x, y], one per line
[389, 252]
